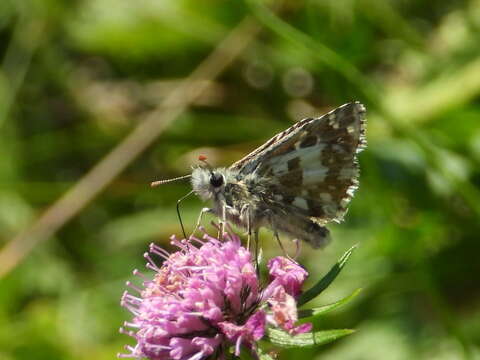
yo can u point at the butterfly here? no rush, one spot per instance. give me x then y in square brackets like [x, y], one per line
[297, 182]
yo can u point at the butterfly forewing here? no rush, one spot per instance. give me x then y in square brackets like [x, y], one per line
[311, 168]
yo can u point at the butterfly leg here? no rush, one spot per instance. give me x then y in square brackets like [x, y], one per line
[200, 218]
[245, 214]
[249, 230]
[275, 233]
[223, 221]
[257, 241]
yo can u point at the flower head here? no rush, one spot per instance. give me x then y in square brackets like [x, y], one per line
[207, 297]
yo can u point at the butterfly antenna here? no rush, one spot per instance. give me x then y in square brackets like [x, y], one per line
[161, 182]
[178, 212]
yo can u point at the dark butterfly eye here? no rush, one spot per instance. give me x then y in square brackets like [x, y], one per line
[216, 180]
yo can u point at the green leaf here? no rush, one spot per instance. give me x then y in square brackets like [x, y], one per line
[263, 355]
[284, 340]
[324, 282]
[327, 308]
[246, 354]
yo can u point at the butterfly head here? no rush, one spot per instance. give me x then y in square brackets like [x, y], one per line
[206, 181]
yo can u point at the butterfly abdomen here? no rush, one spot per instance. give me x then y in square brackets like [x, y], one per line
[303, 228]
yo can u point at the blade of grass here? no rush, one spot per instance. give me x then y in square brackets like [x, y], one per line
[27, 36]
[284, 340]
[324, 282]
[321, 310]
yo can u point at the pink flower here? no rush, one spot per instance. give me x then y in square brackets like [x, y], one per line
[288, 273]
[253, 330]
[287, 279]
[284, 312]
[206, 297]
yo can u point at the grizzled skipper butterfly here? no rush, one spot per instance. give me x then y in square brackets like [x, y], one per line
[295, 183]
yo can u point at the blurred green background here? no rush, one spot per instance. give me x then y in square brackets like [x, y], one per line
[77, 77]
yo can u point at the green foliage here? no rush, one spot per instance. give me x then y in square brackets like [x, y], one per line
[325, 309]
[316, 338]
[325, 281]
[76, 77]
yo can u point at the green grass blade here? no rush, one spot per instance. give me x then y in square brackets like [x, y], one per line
[324, 282]
[284, 340]
[322, 310]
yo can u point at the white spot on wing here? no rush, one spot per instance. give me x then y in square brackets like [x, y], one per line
[351, 190]
[337, 148]
[300, 203]
[309, 159]
[314, 176]
[344, 202]
[280, 168]
[332, 120]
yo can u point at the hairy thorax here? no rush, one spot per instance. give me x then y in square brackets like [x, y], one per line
[244, 201]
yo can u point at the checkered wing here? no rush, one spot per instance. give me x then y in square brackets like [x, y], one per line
[311, 168]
